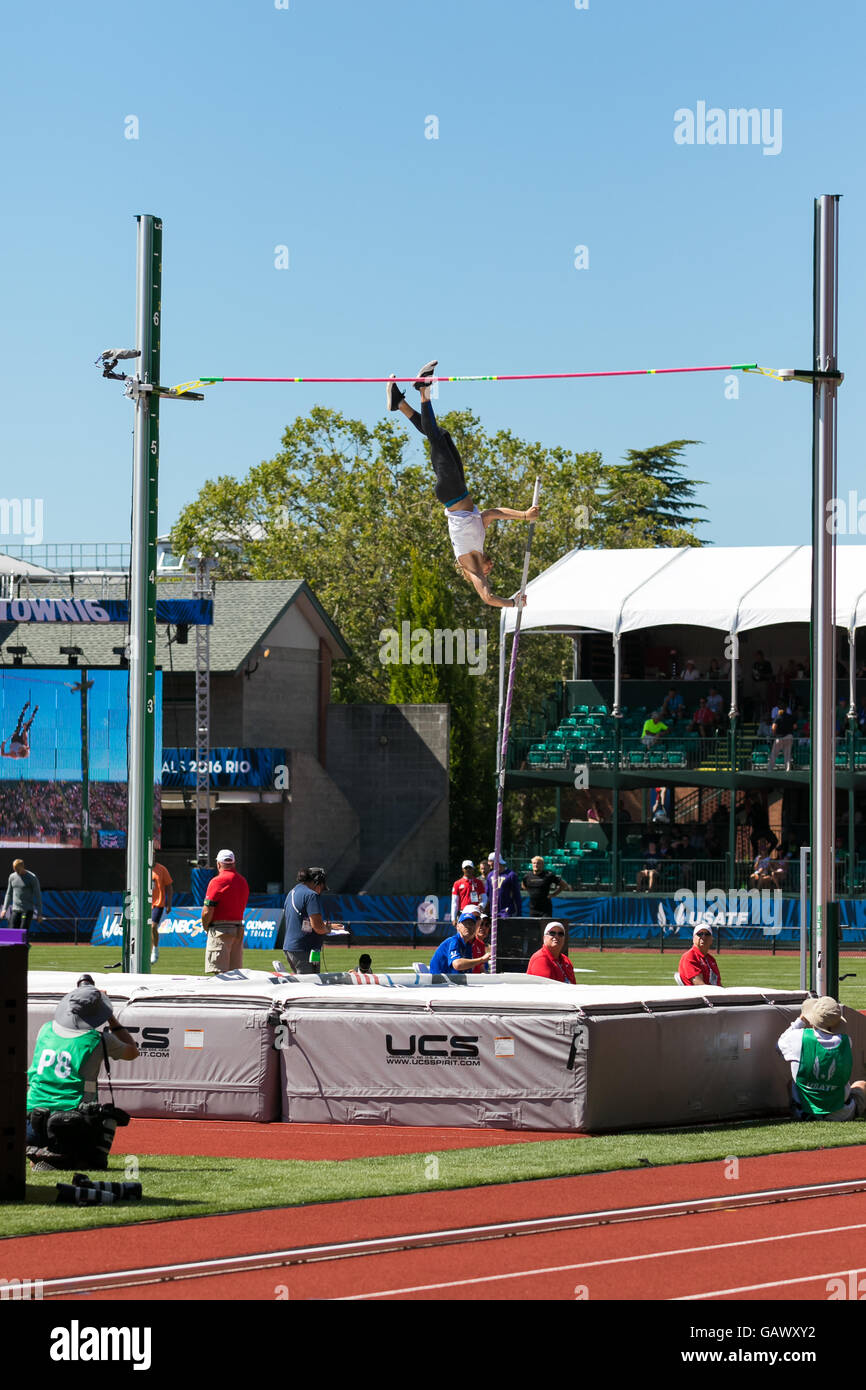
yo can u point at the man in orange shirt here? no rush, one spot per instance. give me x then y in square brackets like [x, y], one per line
[160, 902]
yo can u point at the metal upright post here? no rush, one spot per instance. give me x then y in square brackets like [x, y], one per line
[142, 626]
[203, 589]
[823, 714]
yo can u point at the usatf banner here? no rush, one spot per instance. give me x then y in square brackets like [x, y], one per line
[194, 612]
[228, 767]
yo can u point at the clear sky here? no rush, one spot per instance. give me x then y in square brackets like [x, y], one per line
[306, 127]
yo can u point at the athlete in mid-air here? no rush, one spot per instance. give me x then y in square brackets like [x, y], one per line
[19, 743]
[466, 524]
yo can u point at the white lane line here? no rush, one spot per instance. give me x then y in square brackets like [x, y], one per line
[618, 1260]
[773, 1284]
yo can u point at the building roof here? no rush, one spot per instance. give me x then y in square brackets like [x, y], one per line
[729, 588]
[245, 612]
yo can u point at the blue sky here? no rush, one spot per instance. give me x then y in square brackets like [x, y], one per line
[305, 127]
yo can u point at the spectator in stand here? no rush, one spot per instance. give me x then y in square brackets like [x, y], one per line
[714, 670]
[551, 962]
[467, 891]
[703, 720]
[654, 728]
[715, 703]
[761, 668]
[481, 946]
[24, 895]
[691, 673]
[762, 874]
[222, 916]
[779, 866]
[783, 739]
[821, 1064]
[661, 806]
[673, 706]
[161, 889]
[648, 876]
[697, 966]
[541, 884]
[592, 813]
[764, 729]
[508, 888]
[454, 955]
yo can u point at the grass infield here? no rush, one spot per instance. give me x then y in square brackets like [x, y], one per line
[177, 1186]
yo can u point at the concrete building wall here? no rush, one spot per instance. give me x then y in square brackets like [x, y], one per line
[320, 824]
[391, 763]
[280, 700]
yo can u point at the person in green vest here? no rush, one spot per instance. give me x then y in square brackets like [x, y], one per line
[821, 1064]
[66, 1126]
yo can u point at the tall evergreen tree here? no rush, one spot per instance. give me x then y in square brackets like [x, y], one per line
[649, 501]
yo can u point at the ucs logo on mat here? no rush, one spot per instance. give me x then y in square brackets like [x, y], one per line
[433, 1049]
[155, 1042]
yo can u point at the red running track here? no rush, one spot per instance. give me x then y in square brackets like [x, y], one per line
[246, 1139]
[787, 1250]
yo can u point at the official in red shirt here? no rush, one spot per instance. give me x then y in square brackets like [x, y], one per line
[697, 966]
[467, 891]
[551, 961]
[222, 917]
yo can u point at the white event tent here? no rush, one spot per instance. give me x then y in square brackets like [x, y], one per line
[731, 589]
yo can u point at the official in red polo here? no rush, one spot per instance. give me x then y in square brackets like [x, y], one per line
[697, 966]
[222, 917]
[551, 961]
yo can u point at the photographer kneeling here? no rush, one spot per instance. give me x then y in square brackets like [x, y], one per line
[66, 1125]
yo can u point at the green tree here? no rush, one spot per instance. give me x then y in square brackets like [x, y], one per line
[649, 501]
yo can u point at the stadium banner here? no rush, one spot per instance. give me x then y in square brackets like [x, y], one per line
[194, 612]
[63, 757]
[181, 926]
[227, 767]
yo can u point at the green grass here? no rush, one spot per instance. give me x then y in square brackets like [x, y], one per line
[636, 967]
[176, 1186]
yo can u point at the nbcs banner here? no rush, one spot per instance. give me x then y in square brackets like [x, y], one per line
[182, 927]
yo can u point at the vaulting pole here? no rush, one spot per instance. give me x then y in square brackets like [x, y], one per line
[506, 726]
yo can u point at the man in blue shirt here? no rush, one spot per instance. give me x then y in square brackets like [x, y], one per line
[305, 928]
[454, 955]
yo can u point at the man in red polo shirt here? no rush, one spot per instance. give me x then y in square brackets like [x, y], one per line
[697, 966]
[551, 961]
[223, 917]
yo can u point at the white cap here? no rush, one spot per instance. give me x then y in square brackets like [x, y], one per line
[225, 856]
[468, 864]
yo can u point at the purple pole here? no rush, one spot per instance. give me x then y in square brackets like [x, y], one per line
[506, 726]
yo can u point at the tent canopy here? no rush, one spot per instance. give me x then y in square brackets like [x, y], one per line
[731, 589]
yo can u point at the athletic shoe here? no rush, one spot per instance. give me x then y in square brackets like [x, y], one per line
[42, 1167]
[154, 955]
[124, 1191]
[426, 372]
[393, 394]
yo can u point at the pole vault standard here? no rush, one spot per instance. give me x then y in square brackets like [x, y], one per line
[506, 726]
